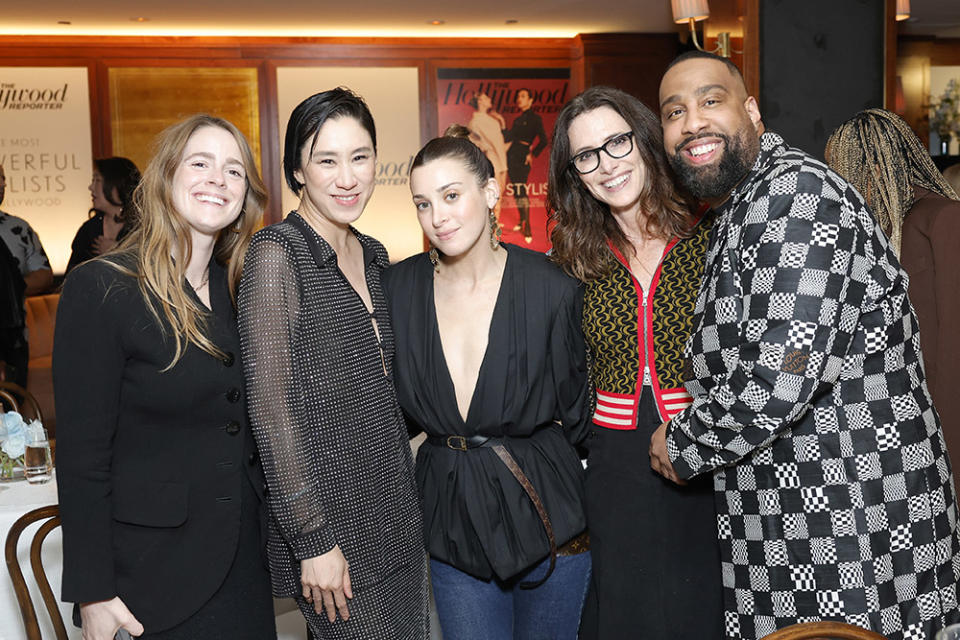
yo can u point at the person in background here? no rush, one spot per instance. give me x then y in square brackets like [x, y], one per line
[345, 533]
[22, 257]
[878, 153]
[810, 409]
[114, 180]
[486, 131]
[159, 481]
[526, 129]
[490, 363]
[623, 229]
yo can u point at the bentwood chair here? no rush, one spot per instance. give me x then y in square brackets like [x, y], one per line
[13, 397]
[823, 631]
[51, 514]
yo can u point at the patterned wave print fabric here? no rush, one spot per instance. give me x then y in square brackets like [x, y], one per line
[610, 328]
[673, 305]
[610, 322]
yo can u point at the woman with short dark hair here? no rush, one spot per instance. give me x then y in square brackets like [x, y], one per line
[345, 537]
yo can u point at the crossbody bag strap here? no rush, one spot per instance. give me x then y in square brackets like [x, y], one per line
[514, 468]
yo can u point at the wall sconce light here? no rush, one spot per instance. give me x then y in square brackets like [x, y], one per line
[692, 11]
[903, 10]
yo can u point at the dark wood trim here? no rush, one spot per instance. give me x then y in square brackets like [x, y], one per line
[580, 54]
[890, 56]
[751, 47]
[271, 147]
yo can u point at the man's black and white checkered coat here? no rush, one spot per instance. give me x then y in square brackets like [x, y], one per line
[834, 492]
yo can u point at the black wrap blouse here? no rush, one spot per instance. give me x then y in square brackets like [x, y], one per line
[477, 516]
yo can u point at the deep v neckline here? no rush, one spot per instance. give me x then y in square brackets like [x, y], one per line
[435, 324]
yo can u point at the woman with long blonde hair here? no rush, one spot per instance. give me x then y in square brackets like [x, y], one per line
[160, 485]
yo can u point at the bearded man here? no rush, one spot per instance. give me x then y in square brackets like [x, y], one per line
[834, 498]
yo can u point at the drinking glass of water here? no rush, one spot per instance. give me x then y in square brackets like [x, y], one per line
[949, 633]
[37, 464]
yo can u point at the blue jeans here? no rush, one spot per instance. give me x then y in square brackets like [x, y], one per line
[474, 609]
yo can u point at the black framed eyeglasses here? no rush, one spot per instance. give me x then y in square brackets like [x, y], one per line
[616, 147]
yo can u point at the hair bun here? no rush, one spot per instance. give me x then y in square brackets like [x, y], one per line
[457, 131]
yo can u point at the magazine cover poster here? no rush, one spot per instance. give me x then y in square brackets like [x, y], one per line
[510, 114]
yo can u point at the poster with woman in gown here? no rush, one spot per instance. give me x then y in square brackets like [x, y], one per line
[510, 114]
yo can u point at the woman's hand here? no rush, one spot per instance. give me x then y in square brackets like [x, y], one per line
[102, 244]
[659, 458]
[326, 583]
[102, 620]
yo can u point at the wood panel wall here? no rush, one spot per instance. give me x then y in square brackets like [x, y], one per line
[915, 56]
[639, 57]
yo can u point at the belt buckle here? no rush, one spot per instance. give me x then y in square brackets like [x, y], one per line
[461, 443]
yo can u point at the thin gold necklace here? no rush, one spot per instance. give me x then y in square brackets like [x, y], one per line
[203, 282]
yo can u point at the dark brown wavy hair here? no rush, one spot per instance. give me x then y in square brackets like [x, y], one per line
[583, 224]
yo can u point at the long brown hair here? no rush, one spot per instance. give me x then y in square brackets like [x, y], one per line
[160, 244]
[879, 154]
[583, 223]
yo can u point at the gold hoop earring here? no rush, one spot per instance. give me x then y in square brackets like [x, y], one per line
[495, 231]
[434, 258]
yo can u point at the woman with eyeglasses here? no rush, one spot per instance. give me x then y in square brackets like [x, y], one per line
[625, 231]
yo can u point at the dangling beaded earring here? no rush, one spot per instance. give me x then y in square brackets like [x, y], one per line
[495, 231]
[434, 259]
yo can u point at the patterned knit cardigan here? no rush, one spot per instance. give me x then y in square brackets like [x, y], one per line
[623, 333]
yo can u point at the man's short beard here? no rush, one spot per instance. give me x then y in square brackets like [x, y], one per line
[714, 182]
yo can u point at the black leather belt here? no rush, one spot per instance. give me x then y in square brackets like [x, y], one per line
[462, 443]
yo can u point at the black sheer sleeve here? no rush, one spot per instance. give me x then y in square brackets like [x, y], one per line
[269, 307]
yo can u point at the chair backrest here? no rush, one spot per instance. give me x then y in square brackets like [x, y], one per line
[825, 630]
[30, 623]
[41, 319]
[13, 397]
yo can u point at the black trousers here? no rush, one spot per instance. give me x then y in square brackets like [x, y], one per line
[656, 560]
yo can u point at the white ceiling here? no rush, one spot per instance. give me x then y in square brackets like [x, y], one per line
[535, 18]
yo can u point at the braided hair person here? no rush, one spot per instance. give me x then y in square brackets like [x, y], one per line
[490, 363]
[878, 153]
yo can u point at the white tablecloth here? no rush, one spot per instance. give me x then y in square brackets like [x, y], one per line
[16, 499]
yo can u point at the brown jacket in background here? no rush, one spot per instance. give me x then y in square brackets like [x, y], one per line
[930, 253]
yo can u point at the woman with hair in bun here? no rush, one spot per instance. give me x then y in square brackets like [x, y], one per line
[490, 363]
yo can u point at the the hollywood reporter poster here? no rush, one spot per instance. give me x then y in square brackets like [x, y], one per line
[510, 114]
[45, 150]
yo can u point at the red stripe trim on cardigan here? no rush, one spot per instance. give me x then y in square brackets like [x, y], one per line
[616, 410]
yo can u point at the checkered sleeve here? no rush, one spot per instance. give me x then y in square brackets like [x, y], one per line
[801, 271]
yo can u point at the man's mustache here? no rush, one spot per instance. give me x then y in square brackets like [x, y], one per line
[705, 134]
